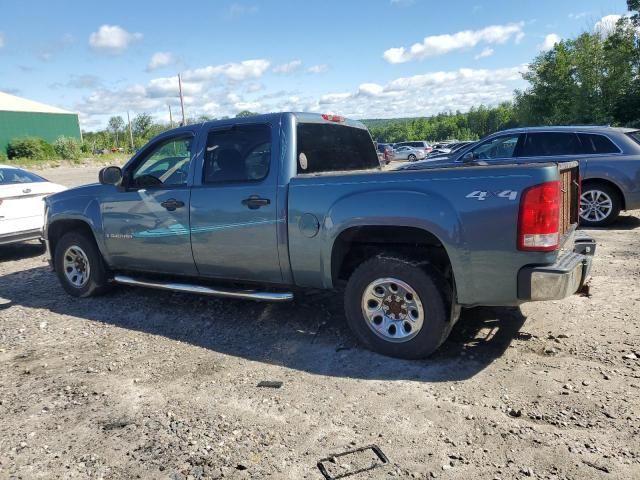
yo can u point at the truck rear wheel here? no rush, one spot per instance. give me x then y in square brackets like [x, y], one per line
[398, 308]
[79, 266]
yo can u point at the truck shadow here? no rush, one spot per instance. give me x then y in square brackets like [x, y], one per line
[20, 251]
[309, 334]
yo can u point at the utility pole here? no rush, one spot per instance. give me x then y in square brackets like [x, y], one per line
[130, 132]
[181, 99]
[170, 116]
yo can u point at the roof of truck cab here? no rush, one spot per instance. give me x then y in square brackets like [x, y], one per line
[304, 117]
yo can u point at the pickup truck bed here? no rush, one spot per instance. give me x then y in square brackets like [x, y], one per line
[258, 208]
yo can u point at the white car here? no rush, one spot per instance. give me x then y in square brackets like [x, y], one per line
[22, 205]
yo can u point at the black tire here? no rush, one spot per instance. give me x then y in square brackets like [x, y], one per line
[616, 204]
[432, 290]
[412, 158]
[98, 277]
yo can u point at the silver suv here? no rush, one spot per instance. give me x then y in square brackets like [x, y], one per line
[609, 162]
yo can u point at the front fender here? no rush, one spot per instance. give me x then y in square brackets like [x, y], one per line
[82, 209]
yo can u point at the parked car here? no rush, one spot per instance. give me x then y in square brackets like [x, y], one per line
[446, 149]
[408, 153]
[419, 145]
[385, 153]
[21, 205]
[609, 162]
[259, 207]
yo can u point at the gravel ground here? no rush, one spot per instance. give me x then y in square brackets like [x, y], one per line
[145, 384]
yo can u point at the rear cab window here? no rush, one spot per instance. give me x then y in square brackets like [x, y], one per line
[334, 148]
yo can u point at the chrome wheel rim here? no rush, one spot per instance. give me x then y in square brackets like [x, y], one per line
[76, 266]
[392, 309]
[595, 205]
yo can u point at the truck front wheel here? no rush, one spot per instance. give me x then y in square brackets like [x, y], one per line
[397, 307]
[79, 265]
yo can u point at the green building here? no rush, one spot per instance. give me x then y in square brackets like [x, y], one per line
[20, 117]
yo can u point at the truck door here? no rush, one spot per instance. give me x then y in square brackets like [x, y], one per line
[234, 219]
[146, 223]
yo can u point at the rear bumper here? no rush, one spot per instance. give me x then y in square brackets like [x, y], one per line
[7, 238]
[564, 278]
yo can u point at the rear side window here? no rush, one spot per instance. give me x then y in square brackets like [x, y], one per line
[239, 154]
[330, 148]
[597, 144]
[548, 144]
[635, 135]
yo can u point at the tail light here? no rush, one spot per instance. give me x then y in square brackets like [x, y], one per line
[333, 118]
[539, 220]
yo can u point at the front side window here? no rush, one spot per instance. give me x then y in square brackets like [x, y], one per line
[499, 147]
[597, 144]
[9, 176]
[549, 144]
[241, 153]
[166, 165]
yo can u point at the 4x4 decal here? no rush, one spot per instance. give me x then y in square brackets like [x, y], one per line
[482, 194]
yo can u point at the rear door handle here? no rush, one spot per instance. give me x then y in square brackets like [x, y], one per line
[254, 202]
[172, 204]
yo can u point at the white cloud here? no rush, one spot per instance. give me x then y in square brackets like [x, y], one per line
[441, 44]
[425, 94]
[112, 39]
[606, 24]
[233, 71]
[549, 41]
[217, 91]
[288, 67]
[160, 60]
[486, 52]
[3, 41]
[318, 68]
[578, 16]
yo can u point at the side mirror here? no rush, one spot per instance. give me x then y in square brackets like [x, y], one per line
[468, 157]
[110, 176]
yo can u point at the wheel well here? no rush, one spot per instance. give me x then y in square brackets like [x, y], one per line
[357, 244]
[601, 181]
[57, 229]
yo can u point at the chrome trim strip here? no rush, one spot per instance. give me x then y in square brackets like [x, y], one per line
[202, 290]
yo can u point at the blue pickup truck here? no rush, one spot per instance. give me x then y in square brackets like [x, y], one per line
[261, 207]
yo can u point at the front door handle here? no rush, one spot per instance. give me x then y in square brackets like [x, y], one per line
[254, 202]
[172, 204]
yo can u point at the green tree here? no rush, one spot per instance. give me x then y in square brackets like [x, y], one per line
[116, 125]
[246, 113]
[141, 125]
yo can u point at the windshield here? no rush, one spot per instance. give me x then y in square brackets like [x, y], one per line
[10, 176]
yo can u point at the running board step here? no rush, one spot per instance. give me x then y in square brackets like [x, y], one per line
[202, 290]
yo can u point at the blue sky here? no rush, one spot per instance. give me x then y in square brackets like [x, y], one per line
[364, 58]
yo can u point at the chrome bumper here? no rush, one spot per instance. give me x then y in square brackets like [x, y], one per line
[564, 278]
